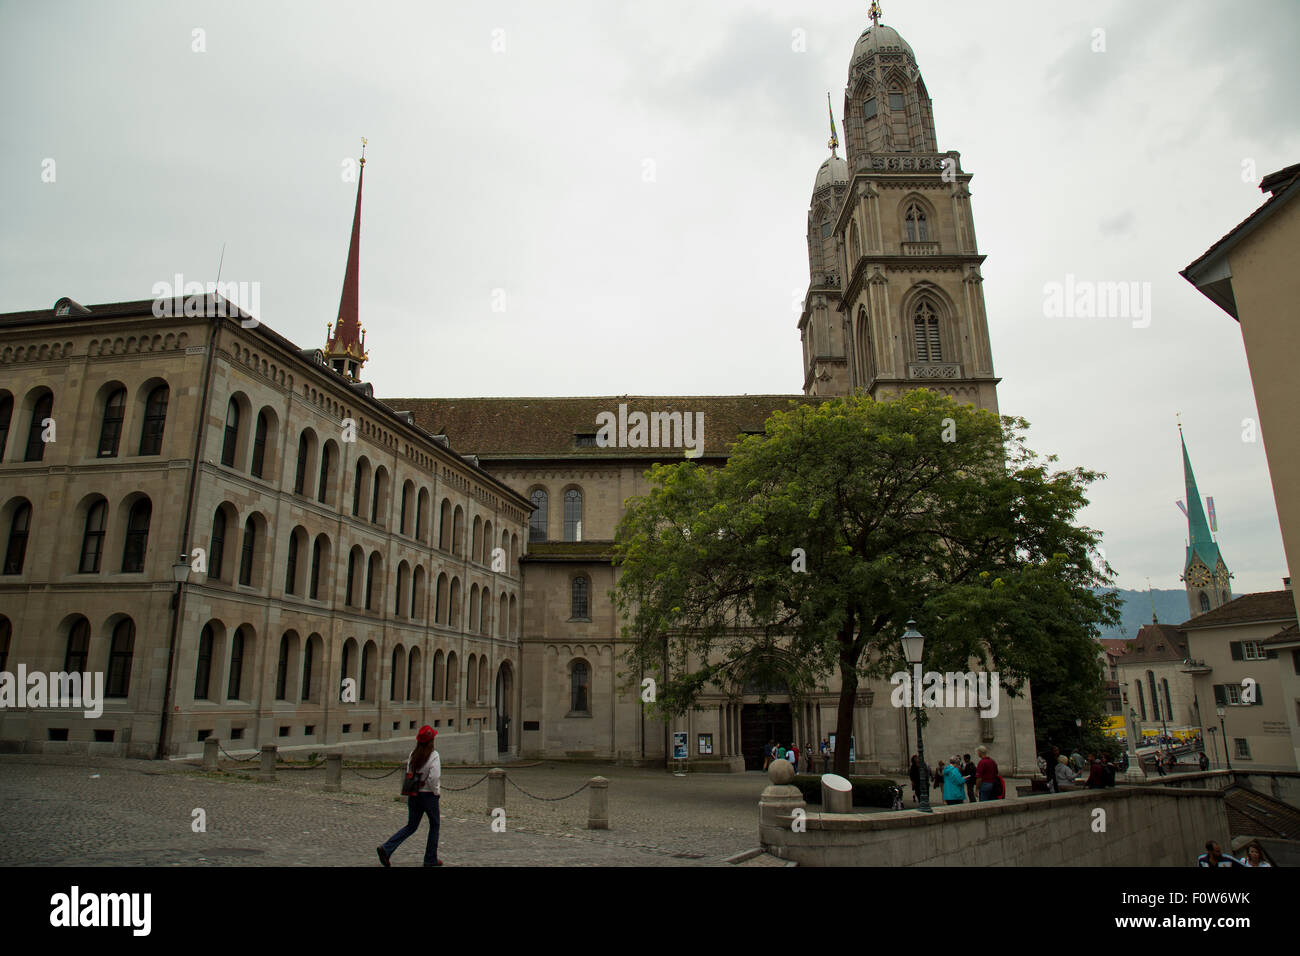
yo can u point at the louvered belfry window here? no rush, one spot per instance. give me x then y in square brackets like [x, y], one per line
[925, 323]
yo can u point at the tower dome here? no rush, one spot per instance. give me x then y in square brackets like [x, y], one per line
[833, 172]
[879, 38]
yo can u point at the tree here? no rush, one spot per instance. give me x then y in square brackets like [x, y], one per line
[824, 535]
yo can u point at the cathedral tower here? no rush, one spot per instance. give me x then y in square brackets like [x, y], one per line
[345, 342]
[895, 299]
[1205, 575]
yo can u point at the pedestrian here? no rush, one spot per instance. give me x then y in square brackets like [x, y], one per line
[780, 751]
[1076, 762]
[968, 772]
[1111, 769]
[1254, 855]
[1064, 775]
[793, 756]
[937, 782]
[424, 770]
[1096, 773]
[767, 753]
[1203, 761]
[954, 784]
[1214, 856]
[986, 773]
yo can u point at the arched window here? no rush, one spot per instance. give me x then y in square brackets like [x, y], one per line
[1142, 703]
[326, 453]
[356, 488]
[869, 108]
[74, 657]
[855, 247]
[401, 588]
[6, 415]
[110, 428]
[308, 655]
[217, 545]
[314, 591]
[92, 538]
[1169, 707]
[407, 491]
[40, 413]
[282, 668]
[236, 681]
[579, 688]
[925, 324]
[367, 668]
[439, 676]
[1205, 602]
[573, 515]
[914, 224]
[471, 681]
[345, 666]
[537, 522]
[19, 526]
[291, 569]
[300, 475]
[579, 599]
[137, 536]
[376, 495]
[230, 443]
[394, 676]
[119, 659]
[155, 421]
[350, 591]
[247, 552]
[259, 443]
[371, 568]
[203, 667]
[1155, 698]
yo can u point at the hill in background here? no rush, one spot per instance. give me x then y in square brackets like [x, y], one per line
[1171, 608]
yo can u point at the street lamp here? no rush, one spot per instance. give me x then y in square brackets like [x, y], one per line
[913, 646]
[1220, 710]
[1130, 733]
[180, 574]
[1214, 742]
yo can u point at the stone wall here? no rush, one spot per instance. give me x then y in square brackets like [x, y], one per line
[1281, 784]
[1145, 826]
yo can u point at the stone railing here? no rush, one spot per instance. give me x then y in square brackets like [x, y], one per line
[920, 248]
[939, 370]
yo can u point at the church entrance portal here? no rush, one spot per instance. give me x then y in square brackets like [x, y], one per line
[760, 723]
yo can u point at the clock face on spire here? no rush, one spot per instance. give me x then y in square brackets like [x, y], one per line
[1198, 575]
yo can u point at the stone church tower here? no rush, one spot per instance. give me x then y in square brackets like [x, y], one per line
[1205, 575]
[894, 299]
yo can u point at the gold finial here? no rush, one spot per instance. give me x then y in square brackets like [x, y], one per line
[1179, 416]
[363, 150]
[835, 139]
[875, 13]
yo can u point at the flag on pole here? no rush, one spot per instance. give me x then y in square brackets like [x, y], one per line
[1209, 507]
[1182, 507]
[835, 139]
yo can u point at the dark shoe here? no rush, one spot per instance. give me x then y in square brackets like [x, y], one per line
[383, 857]
[438, 863]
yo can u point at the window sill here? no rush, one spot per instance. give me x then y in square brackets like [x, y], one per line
[578, 714]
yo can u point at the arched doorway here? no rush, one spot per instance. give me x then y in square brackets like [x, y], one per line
[505, 701]
[765, 712]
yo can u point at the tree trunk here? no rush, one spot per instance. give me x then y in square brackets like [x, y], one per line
[844, 716]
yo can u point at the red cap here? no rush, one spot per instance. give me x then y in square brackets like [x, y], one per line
[426, 734]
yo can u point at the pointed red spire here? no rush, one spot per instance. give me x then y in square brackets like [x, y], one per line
[345, 348]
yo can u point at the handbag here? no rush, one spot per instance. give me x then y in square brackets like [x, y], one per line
[411, 784]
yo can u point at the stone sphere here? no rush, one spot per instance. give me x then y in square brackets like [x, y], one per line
[780, 772]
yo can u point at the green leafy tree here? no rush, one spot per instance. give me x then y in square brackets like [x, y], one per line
[818, 540]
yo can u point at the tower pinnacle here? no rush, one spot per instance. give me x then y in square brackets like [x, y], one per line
[345, 346]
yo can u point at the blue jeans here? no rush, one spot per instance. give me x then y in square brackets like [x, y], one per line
[418, 805]
[987, 790]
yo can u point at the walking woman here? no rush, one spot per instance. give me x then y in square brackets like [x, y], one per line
[426, 766]
[914, 772]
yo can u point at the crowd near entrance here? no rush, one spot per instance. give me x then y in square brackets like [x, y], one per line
[760, 723]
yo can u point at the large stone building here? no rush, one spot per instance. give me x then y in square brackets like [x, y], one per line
[373, 559]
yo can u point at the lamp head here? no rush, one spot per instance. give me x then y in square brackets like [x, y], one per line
[913, 643]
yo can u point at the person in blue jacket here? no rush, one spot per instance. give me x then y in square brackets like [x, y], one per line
[954, 784]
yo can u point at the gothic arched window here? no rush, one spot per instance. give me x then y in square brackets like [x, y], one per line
[537, 522]
[137, 535]
[1155, 697]
[578, 605]
[914, 224]
[19, 526]
[579, 690]
[92, 538]
[1205, 602]
[925, 324]
[155, 421]
[1142, 704]
[231, 439]
[110, 429]
[573, 515]
[119, 659]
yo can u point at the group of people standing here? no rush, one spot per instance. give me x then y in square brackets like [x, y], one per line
[960, 778]
[1066, 772]
[792, 753]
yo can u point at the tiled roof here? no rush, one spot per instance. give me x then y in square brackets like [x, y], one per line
[530, 428]
[1287, 635]
[1118, 646]
[1251, 813]
[1144, 647]
[1247, 609]
[1280, 194]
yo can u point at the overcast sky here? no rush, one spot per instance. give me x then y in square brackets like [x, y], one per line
[631, 182]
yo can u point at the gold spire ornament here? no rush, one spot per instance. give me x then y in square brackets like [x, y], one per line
[875, 13]
[363, 150]
[834, 142]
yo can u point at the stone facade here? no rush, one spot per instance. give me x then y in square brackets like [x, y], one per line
[257, 468]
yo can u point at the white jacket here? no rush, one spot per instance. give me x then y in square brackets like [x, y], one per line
[432, 771]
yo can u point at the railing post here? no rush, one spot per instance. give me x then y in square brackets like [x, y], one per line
[598, 810]
[211, 746]
[496, 789]
[333, 773]
[268, 763]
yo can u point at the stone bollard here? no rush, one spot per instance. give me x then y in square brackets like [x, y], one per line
[333, 772]
[776, 808]
[267, 773]
[837, 794]
[496, 789]
[211, 747]
[598, 811]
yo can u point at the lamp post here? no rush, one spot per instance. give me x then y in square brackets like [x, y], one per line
[1214, 742]
[913, 646]
[1220, 710]
[180, 574]
[1130, 734]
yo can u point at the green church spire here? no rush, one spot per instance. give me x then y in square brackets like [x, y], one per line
[1199, 541]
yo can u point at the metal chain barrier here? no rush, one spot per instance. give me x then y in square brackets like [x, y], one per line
[443, 786]
[548, 799]
[239, 759]
[380, 777]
